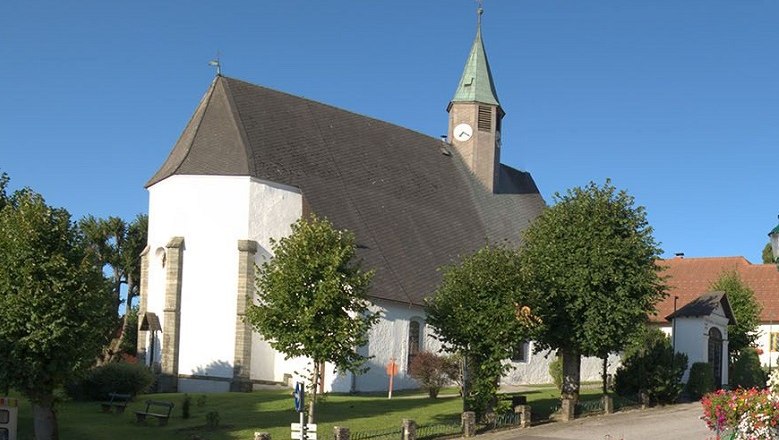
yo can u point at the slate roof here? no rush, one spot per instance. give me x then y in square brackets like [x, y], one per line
[705, 305]
[412, 207]
[689, 277]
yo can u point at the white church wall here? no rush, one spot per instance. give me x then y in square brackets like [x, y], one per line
[535, 369]
[211, 213]
[273, 208]
[388, 339]
[768, 358]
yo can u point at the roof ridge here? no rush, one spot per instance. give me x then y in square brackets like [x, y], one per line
[197, 118]
[239, 125]
[362, 115]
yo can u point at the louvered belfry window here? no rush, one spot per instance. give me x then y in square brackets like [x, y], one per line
[485, 118]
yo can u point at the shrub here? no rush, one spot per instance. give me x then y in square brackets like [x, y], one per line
[212, 420]
[650, 366]
[431, 371]
[556, 371]
[701, 380]
[747, 372]
[115, 377]
[185, 406]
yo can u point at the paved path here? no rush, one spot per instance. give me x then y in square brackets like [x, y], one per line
[674, 422]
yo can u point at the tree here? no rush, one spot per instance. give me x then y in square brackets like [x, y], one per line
[118, 245]
[768, 254]
[650, 368]
[474, 312]
[745, 309]
[55, 309]
[588, 267]
[313, 299]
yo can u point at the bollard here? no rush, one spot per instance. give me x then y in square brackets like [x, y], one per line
[643, 398]
[340, 433]
[262, 436]
[469, 423]
[608, 404]
[409, 429]
[524, 415]
[567, 410]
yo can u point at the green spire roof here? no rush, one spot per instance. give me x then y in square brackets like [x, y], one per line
[476, 84]
[774, 231]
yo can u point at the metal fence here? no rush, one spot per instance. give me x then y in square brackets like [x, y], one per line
[505, 419]
[439, 430]
[380, 434]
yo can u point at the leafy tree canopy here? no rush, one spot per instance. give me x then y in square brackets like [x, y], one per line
[768, 254]
[55, 307]
[313, 298]
[745, 308]
[474, 312]
[588, 265]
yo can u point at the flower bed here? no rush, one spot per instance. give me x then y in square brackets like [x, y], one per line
[744, 414]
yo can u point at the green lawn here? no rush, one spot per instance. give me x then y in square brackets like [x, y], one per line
[241, 414]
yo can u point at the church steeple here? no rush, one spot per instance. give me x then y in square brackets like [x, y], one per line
[475, 115]
[476, 84]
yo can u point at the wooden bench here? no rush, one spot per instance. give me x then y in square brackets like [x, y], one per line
[162, 416]
[116, 401]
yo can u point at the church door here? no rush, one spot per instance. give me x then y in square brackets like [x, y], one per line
[715, 355]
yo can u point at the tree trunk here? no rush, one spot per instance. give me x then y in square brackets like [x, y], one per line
[466, 381]
[45, 419]
[571, 368]
[314, 388]
[116, 353]
[606, 374]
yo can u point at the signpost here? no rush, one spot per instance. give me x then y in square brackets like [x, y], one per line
[392, 370]
[302, 431]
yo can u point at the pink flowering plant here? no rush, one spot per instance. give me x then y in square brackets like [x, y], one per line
[745, 414]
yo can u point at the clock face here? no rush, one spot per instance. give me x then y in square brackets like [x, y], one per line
[463, 132]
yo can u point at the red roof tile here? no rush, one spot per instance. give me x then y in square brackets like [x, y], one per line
[688, 278]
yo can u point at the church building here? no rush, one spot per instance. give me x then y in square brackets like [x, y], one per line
[252, 161]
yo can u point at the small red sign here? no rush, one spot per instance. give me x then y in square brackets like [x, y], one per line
[392, 368]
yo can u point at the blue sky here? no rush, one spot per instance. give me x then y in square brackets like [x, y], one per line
[675, 101]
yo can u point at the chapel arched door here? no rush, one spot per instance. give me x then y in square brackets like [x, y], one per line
[715, 355]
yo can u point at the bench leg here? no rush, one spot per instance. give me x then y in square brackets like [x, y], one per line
[140, 418]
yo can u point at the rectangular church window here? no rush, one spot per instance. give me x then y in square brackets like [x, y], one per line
[521, 352]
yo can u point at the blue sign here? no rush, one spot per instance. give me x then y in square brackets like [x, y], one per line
[299, 395]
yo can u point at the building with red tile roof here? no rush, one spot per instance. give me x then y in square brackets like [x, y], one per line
[688, 278]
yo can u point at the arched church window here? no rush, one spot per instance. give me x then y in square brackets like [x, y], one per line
[715, 354]
[160, 254]
[414, 340]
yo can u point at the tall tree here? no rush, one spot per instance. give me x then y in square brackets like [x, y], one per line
[118, 245]
[313, 299]
[475, 313]
[55, 307]
[588, 265]
[745, 308]
[768, 254]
